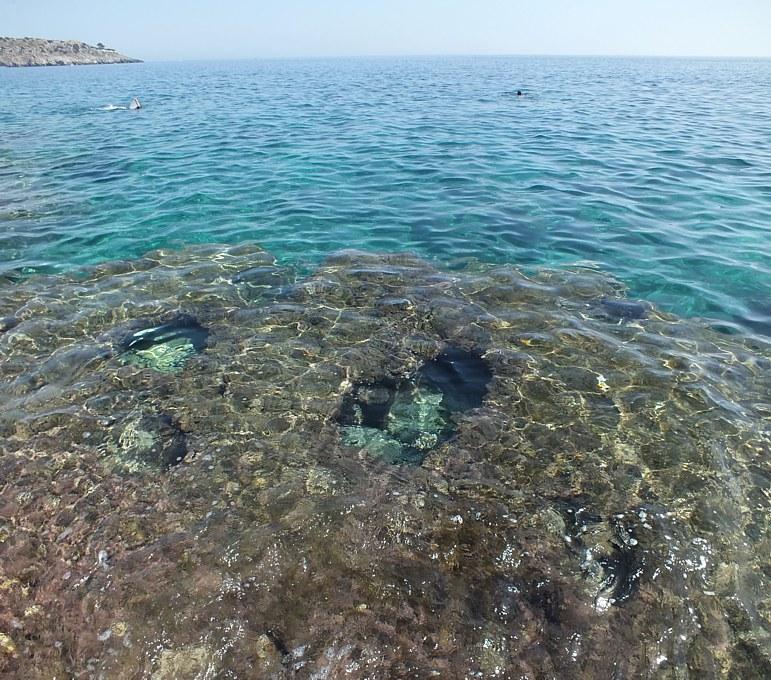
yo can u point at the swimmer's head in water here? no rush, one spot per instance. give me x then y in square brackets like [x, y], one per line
[135, 104]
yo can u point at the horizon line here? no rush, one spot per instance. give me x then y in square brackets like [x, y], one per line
[428, 55]
[412, 55]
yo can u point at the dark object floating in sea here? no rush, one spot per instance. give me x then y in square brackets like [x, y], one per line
[623, 310]
[400, 421]
[154, 440]
[166, 347]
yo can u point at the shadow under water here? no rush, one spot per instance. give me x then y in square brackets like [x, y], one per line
[402, 419]
[381, 470]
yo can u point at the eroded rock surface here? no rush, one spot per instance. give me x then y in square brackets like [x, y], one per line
[595, 507]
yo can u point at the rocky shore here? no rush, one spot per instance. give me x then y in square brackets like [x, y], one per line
[41, 52]
[214, 466]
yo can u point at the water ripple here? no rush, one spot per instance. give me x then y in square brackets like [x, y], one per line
[641, 166]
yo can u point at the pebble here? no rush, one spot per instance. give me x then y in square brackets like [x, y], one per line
[103, 559]
[6, 644]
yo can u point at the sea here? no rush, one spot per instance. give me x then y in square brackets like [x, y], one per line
[386, 368]
[657, 170]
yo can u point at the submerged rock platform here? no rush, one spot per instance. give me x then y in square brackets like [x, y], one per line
[593, 501]
[41, 52]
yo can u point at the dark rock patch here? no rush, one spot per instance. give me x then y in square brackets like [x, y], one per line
[392, 306]
[462, 376]
[401, 420]
[154, 440]
[180, 326]
[623, 567]
[262, 277]
[166, 347]
[8, 322]
[622, 310]
[611, 554]
[369, 404]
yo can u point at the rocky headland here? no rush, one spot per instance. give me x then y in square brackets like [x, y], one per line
[41, 52]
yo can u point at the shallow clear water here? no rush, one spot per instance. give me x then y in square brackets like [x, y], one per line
[378, 470]
[657, 171]
[483, 458]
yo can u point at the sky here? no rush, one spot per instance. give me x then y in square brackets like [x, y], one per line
[231, 29]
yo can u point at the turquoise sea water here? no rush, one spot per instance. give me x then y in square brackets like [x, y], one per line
[244, 455]
[657, 171]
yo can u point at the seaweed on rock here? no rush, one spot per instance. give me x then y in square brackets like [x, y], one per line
[154, 440]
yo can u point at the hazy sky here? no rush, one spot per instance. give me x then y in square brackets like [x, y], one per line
[205, 29]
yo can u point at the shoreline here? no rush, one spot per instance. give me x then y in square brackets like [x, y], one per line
[25, 52]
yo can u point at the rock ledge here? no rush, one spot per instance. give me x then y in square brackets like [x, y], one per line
[41, 52]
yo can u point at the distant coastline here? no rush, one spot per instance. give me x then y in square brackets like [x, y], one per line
[41, 52]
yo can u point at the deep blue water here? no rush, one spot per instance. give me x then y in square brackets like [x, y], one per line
[655, 170]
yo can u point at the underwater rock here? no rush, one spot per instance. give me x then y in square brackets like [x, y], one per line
[8, 322]
[188, 662]
[167, 347]
[605, 507]
[391, 305]
[623, 310]
[154, 440]
[304, 291]
[262, 277]
[62, 367]
[6, 644]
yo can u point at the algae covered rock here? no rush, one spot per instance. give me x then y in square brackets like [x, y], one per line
[154, 440]
[576, 493]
